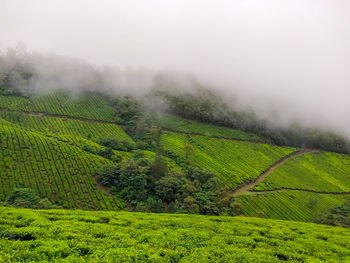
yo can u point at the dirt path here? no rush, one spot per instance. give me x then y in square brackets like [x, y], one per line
[283, 189]
[245, 187]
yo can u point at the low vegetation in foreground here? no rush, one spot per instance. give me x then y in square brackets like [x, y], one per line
[82, 236]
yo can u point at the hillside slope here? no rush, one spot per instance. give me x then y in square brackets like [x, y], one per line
[233, 161]
[51, 143]
[322, 172]
[56, 170]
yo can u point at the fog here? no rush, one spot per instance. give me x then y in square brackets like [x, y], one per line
[287, 60]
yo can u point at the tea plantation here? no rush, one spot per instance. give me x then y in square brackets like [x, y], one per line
[290, 204]
[52, 143]
[82, 236]
[56, 170]
[234, 161]
[322, 172]
[176, 123]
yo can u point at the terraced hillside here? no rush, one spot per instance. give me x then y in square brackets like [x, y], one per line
[175, 123]
[234, 161]
[56, 170]
[88, 106]
[302, 188]
[290, 204]
[42, 139]
[82, 236]
[64, 128]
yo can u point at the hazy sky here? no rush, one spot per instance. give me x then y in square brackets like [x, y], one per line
[293, 55]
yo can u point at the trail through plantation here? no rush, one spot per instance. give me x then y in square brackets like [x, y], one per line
[282, 189]
[248, 185]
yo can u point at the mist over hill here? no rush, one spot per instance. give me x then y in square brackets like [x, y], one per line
[288, 63]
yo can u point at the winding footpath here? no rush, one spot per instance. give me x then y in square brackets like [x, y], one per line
[245, 187]
[282, 189]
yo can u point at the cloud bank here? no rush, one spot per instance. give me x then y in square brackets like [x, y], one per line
[288, 60]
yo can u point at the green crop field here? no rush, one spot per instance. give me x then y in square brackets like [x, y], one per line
[176, 123]
[234, 161]
[61, 103]
[56, 170]
[290, 204]
[65, 128]
[45, 153]
[85, 106]
[82, 236]
[322, 172]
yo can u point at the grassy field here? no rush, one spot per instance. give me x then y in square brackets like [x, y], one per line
[65, 128]
[322, 172]
[81, 236]
[234, 161]
[56, 170]
[290, 205]
[176, 123]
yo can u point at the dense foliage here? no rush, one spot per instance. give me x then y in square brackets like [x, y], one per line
[27, 198]
[337, 216]
[139, 123]
[150, 186]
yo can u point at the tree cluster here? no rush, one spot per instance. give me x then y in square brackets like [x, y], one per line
[148, 185]
[337, 216]
[137, 121]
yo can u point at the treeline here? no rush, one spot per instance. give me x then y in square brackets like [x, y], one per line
[207, 107]
[138, 121]
[15, 75]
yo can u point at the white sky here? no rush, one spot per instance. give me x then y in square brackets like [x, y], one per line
[292, 54]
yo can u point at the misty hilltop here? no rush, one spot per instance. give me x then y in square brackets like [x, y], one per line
[288, 62]
[30, 74]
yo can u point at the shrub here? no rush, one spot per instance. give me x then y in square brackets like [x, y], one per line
[23, 197]
[106, 152]
[27, 198]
